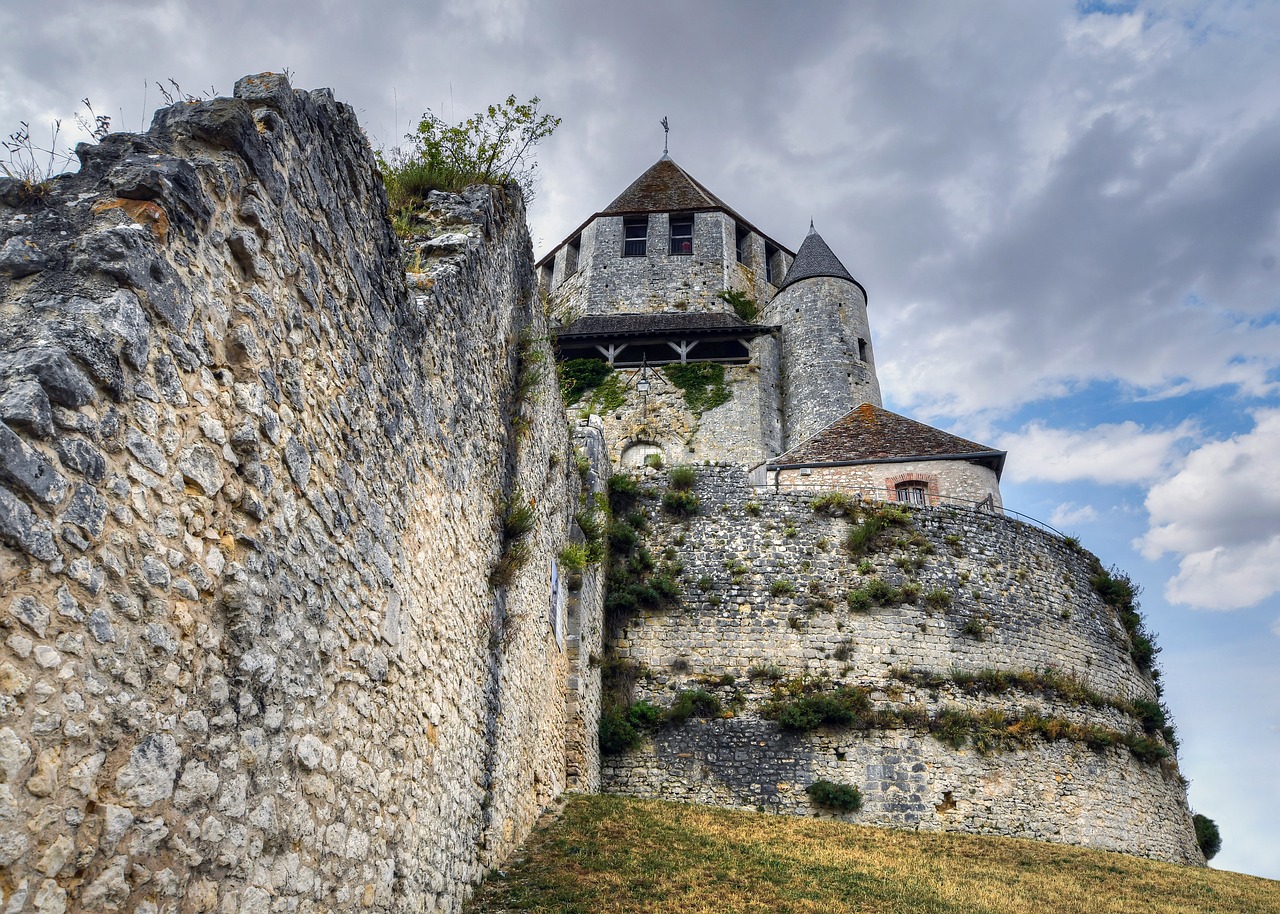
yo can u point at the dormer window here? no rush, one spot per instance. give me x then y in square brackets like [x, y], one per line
[635, 235]
[682, 234]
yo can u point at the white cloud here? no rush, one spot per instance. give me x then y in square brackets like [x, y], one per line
[1069, 513]
[1275, 630]
[1125, 453]
[1220, 513]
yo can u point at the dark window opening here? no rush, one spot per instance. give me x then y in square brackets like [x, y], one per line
[635, 234]
[682, 234]
[741, 236]
[912, 492]
[571, 256]
[862, 350]
[772, 271]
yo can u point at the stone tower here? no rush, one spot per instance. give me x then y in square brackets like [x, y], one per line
[827, 362]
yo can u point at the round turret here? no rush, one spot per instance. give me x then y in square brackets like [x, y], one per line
[827, 363]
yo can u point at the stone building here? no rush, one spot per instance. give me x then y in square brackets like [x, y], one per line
[669, 275]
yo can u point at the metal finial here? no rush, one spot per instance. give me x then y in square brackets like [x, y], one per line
[666, 132]
[812, 230]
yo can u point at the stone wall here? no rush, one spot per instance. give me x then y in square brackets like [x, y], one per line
[607, 282]
[746, 429]
[251, 494]
[765, 581]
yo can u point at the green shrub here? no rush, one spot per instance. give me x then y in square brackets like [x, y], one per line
[518, 516]
[617, 734]
[644, 716]
[682, 478]
[579, 376]
[974, 628]
[680, 503]
[624, 485]
[623, 536]
[836, 504]
[692, 703]
[860, 601]
[653, 460]
[575, 557]
[766, 670]
[938, 599]
[782, 588]
[1207, 836]
[838, 797]
[492, 147]
[805, 705]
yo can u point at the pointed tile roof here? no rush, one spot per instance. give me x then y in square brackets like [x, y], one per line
[870, 434]
[665, 187]
[816, 259]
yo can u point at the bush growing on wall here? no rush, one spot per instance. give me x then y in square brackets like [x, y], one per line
[836, 797]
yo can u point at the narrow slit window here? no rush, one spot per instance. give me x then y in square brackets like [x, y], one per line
[682, 234]
[862, 350]
[635, 234]
[571, 256]
[771, 267]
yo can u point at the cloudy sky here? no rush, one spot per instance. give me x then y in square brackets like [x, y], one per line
[1065, 214]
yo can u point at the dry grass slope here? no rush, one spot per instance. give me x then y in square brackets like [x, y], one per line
[612, 855]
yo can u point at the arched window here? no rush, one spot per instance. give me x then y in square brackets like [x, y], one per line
[912, 492]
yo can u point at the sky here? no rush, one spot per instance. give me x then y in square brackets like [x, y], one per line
[1066, 216]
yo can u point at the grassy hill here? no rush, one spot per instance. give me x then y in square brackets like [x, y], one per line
[612, 854]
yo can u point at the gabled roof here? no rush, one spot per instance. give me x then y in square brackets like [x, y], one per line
[870, 434]
[663, 323]
[815, 258]
[664, 188]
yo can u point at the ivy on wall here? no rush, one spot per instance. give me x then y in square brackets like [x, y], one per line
[702, 384]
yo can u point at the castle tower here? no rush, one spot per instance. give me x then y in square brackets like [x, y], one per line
[827, 363]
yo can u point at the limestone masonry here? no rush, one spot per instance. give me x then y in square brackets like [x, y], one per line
[288, 616]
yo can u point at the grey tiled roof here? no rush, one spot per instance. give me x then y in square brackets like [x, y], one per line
[815, 259]
[661, 323]
[664, 188]
[870, 433]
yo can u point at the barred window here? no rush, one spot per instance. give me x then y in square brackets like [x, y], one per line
[635, 234]
[682, 234]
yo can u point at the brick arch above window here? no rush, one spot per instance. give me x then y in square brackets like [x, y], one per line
[899, 488]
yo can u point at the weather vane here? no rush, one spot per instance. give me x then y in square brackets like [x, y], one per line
[666, 132]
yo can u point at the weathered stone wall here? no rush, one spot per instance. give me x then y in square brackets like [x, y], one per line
[251, 489]
[586, 626]
[823, 376]
[746, 429]
[950, 481]
[765, 582]
[607, 282]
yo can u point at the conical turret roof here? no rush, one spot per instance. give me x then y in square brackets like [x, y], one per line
[815, 259]
[665, 187]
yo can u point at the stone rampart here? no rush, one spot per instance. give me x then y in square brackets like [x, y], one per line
[766, 582]
[252, 490]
